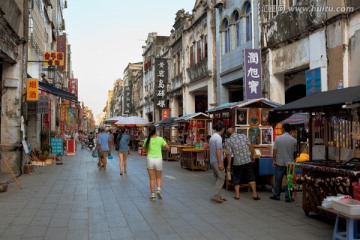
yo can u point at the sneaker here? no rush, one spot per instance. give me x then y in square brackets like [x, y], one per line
[152, 196]
[159, 194]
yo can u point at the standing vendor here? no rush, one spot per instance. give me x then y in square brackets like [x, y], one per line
[284, 152]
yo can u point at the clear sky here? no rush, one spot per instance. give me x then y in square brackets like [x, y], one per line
[106, 35]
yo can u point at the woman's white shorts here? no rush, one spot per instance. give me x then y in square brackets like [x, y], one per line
[154, 163]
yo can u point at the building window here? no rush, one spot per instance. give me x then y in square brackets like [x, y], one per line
[248, 23]
[226, 36]
[205, 47]
[191, 55]
[199, 51]
[237, 28]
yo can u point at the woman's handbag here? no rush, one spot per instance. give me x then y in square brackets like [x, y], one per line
[95, 153]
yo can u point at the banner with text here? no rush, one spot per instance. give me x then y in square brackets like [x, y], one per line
[252, 75]
[43, 104]
[127, 100]
[161, 79]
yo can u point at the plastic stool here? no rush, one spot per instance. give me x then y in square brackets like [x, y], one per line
[351, 229]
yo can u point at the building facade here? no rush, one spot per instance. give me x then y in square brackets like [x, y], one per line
[320, 45]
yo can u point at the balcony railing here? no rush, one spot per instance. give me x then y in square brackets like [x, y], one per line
[198, 71]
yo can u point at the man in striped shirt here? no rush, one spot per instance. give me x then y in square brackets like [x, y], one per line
[284, 152]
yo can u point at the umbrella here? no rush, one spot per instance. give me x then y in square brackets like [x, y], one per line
[132, 121]
[167, 122]
[114, 119]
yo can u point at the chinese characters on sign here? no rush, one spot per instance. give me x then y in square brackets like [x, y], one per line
[161, 76]
[54, 58]
[32, 89]
[165, 113]
[313, 81]
[43, 104]
[127, 100]
[73, 88]
[252, 75]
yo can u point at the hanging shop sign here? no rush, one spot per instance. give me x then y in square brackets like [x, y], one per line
[54, 58]
[313, 81]
[43, 104]
[73, 88]
[127, 99]
[161, 79]
[56, 146]
[61, 47]
[32, 89]
[165, 113]
[252, 75]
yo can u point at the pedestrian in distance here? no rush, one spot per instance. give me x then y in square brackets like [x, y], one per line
[153, 145]
[103, 146]
[284, 152]
[122, 142]
[238, 146]
[217, 161]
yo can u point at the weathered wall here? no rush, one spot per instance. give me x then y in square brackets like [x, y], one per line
[354, 49]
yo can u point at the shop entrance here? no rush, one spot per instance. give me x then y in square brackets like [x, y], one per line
[201, 103]
[295, 85]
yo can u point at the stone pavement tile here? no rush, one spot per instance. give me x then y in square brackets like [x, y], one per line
[48, 206]
[22, 220]
[35, 231]
[40, 221]
[235, 234]
[161, 229]
[169, 236]
[214, 235]
[44, 213]
[139, 226]
[120, 232]
[7, 219]
[77, 235]
[59, 222]
[95, 227]
[32, 238]
[56, 233]
[14, 230]
[10, 237]
[79, 215]
[28, 213]
[99, 236]
[76, 225]
[97, 217]
[64, 206]
[117, 222]
[149, 235]
[62, 213]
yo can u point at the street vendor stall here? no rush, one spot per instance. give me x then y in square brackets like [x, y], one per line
[167, 128]
[192, 131]
[334, 151]
[251, 118]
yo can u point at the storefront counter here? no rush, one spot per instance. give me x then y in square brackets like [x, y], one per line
[194, 158]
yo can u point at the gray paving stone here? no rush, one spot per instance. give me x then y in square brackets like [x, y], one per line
[76, 201]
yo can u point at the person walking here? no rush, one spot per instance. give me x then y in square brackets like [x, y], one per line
[238, 146]
[216, 161]
[284, 152]
[153, 145]
[103, 146]
[123, 140]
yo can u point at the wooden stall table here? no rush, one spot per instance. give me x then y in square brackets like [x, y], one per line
[174, 153]
[193, 158]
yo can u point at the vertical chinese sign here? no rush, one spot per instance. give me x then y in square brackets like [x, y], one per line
[61, 48]
[313, 81]
[165, 113]
[32, 89]
[43, 104]
[73, 88]
[127, 100]
[252, 75]
[161, 79]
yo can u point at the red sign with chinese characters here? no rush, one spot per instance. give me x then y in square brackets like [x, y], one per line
[61, 48]
[54, 58]
[165, 113]
[32, 89]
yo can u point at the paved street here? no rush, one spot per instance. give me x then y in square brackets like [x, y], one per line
[76, 201]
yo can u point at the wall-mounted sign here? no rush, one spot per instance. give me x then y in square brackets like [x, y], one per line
[32, 89]
[54, 58]
[252, 75]
[313, 81]
[161, 79]
[165, 113]
[43, 104]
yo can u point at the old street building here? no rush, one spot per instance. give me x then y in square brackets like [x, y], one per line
[304, 41]
[155, 49]
[13, 55]
[237, 29]
[131, 84]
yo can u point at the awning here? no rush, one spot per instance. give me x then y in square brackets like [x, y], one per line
[194, 116]
[57, 91]
[258, 103]
[167, 122]
[326, 99]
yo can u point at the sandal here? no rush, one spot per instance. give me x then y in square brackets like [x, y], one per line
[256, 198]
[236, 198]
[222, 198]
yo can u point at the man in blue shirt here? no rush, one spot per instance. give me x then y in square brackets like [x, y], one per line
[103, 146]
[216, 161]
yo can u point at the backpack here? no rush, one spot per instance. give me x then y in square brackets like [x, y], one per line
[117, 142]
